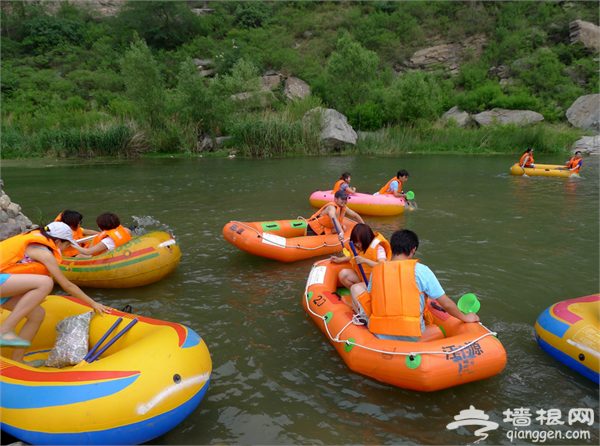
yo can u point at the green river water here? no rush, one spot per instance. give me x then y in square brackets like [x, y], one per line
[520, 244]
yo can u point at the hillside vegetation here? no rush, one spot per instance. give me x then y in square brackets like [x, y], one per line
[75, 83]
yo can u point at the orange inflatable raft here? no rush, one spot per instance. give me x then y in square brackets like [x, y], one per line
[449, 353]
[282, 240]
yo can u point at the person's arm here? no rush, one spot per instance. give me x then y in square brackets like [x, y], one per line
[354, 215]
[90, 251]
[362, 261]
[335, 259]
[351, 190]
[577, 166]
[89, 232]
[330, 211]
[448, 304]
[49, 261]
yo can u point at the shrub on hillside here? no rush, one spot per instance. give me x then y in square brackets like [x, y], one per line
[413, 95]
[252, 14]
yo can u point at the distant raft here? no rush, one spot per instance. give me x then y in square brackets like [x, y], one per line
[569, 331]
[282, 240]
[450, 352]
[143, 260]
[144, 385]
[542, 170]
[364, 204]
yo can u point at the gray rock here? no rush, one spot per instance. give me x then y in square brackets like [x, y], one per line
[584, 113]
[23, 226]
[221, 140]
[588, 145]
[207, 73]
[205, 143]
[4, 217]
[586, 33]
[203, 62]
[20, 217]
[295, 88]
[1, 183]
[8, 230]
[307, 34]
[13, 210]
[502, 116]
[270, 81]
[335, 130]
[271, 73]
[4, 202]
[461, 117]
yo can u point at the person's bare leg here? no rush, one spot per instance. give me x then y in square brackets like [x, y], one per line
[348, 277]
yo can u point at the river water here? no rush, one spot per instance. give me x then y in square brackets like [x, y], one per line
[520, 244]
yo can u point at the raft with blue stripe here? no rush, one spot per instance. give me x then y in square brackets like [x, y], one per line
[569, 331]
[144, 385]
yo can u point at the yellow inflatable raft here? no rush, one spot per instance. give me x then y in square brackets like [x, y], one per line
[144, 259]
[144, 385]
[542, 170]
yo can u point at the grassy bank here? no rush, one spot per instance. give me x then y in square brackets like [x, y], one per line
[277, 136]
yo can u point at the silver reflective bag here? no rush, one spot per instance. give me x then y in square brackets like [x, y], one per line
[72, 339]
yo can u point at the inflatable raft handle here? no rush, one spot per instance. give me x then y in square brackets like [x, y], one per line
[113, 340]
[362, 271]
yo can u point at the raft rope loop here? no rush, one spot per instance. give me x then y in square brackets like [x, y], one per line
[259, 235]
[356, 321]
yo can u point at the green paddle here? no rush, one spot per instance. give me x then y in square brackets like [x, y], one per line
[468, 303]
[410, 195]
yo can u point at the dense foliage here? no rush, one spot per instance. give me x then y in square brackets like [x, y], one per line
[77, 83]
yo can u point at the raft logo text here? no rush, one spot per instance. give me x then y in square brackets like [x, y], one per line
[521, 417]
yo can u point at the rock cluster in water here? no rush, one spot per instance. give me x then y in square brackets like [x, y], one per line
[12, 222]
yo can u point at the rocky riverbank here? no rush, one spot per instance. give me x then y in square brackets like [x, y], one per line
[12, 222]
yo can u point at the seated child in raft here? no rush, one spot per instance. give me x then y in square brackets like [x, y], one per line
[73, 220]
[372, 248]
[343, 184]
[112, 236]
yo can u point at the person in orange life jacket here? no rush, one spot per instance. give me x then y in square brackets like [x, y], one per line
[372, 248]
[73, 220]
[527, 159]
[395, 185]
[400, 316]
[112, 235]
[29, 262]
[344, 184]
[322, 221]
[574, 164]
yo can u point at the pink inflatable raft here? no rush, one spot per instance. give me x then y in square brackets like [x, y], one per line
[364, 204]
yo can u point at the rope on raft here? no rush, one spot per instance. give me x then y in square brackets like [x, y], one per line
[357, 321]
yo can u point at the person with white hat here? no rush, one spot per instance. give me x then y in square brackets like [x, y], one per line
[28, 264]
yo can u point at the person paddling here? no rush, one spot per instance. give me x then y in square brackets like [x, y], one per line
[574, 164]
[29, 263]
[395, 185]
[325, 219]
[343, 184]
[527, 159]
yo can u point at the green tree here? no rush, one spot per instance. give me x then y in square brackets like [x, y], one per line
[252, 14]
[413, 95]
[142, 80]
[195, 101]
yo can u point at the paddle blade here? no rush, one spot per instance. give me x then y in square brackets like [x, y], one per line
[346, 252]
[410, 195]
[469, 304]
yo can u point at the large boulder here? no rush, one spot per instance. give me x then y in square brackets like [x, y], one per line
[589, 145]
[8, 230]
[502, 116]
[296, 88]
[585, 113]
[335, 130]
[270, 81]
[460, 117]
[586, 33]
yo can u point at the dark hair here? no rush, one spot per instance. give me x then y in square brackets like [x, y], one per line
[403, 242]
[362, 233]
[345, 176]
[528, 150]
[402, 173]
[578, 152]
[71, 218]
[108, 221]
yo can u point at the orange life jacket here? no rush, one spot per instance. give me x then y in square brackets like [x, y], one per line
[384, 189]
[13, 251]
[338, 185]
[323, 224]
[394, 303]
[77, 234]
[529, 162]
[574, 163]
[120, 235]
[371, 254]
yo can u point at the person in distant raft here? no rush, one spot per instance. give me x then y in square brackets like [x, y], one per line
[527, 159]
[574, 164]
[112, 235]
[73, 220]
[395, 185]
[372, 248]
[322, 221]
[395, 302]
[344, 184]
